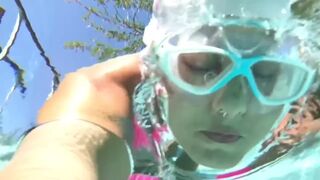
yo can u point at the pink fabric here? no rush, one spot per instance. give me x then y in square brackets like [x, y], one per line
[141, 139]
[142, 177]
[156, 134]
[235, 173]
[219, 177]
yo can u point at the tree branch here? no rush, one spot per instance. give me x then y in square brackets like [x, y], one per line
[5, 51]
[56, 75]
[2, 11]
[19, 74]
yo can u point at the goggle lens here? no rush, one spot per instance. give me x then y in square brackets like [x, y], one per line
[278, 81]
[274, 79]
[202, 69]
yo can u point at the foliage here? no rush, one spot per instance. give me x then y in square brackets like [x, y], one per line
[120, 22]
[2, 11]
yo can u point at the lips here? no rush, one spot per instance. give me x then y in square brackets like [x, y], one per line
[226, 138]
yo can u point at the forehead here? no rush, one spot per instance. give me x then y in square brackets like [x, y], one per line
[243, 39]
[231, 32]
[271, 9]
[231, 37]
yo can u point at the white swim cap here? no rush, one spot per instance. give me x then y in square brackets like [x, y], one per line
[174, 15]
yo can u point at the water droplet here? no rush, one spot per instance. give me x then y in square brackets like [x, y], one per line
[284, 11]
[243, 11]
[209, 76]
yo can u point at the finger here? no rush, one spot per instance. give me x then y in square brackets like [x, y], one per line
[124, 69]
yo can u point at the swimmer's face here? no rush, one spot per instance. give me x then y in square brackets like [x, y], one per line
[217, 130]
[199, 126]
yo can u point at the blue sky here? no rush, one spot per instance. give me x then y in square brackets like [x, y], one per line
[55, 22]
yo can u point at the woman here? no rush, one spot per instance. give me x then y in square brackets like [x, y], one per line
[231, 74]
[212, 88]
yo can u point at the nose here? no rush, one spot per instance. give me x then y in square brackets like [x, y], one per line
[233, 99]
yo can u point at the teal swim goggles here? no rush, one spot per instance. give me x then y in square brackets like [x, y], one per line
[204, 69]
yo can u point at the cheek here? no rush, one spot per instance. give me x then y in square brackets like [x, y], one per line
[272, 117]
[187, 106]
[181, 111]
[261, 125]
[178, 97]
[255, 107]
[184, 111]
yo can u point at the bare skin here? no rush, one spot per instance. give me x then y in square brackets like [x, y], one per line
[101, 95]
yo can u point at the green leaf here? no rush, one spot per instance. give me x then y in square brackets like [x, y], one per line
[2, 11]
[102, 2]
[107, 53]
[124, 3]
[97, 49]
[121, 24]
[76, 45]
[120, 36]
[94, 10]
[146, 5]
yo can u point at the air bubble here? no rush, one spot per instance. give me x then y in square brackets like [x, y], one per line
[284, 11]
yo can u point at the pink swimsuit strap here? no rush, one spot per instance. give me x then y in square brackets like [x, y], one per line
[142, 177]
[223, 176]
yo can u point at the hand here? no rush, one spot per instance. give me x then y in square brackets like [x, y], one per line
[100, 94]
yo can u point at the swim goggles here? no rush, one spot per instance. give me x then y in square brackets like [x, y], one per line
[203, 69]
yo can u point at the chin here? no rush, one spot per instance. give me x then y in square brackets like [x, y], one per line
[219, 164]
[216, 159]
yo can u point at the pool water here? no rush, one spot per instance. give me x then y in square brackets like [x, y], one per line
[33, 61]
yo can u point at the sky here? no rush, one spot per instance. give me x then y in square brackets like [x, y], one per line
[55, 22]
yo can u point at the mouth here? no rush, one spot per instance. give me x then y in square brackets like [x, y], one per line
[225, 137]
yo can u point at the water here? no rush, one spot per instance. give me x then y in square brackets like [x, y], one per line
[34, 64]
[297, 33]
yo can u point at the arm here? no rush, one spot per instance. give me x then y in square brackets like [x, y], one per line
[69, 148]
